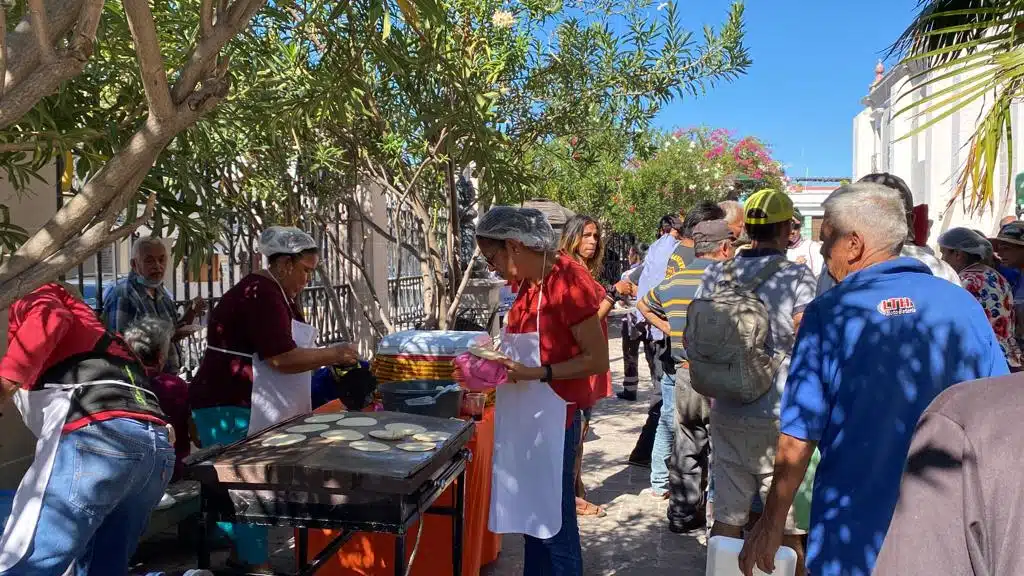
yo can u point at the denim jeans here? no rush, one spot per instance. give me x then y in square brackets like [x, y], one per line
[664, 435]
[560, 555]
[106, 479]
[226, 425]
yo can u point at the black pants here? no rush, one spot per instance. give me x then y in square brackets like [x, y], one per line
[688, 462]
[655, 353]
[631, 340]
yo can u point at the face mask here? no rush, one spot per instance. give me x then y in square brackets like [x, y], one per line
[147, 283]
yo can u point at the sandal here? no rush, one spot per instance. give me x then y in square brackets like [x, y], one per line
[584, 508]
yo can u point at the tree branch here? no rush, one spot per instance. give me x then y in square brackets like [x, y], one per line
[3, 50]
[151, 62]
[37, 16]
[206, 19]
[22, 52]
[457, 299]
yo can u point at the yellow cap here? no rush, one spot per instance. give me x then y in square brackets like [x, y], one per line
[768, 207]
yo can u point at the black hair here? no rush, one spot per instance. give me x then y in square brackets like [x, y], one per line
[704, 211]
[767, 232]
[668, 223]
[275, 258]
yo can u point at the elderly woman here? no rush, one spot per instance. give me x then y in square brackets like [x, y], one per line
[554, 343]
[970, 254]
[259, 360]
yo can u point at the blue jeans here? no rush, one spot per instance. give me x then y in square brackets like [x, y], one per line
[664, 436]
[106, 480]
[226, 425]
[560, 555]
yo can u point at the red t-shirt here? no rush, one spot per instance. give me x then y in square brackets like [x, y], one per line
[569, 299]
[46, 327]
[253, 317]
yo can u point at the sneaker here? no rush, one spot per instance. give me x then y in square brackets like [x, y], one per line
[627, 395]
[652, 493]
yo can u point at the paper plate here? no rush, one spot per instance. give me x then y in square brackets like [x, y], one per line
[342, 435]
[284, 440]
[307, 428]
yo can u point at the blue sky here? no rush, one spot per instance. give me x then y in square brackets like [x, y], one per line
[813, 61]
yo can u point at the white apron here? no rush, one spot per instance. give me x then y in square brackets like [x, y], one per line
[44, 413]
[529, 445]
[277, 397]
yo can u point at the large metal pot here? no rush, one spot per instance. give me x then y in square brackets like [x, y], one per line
[395, 394]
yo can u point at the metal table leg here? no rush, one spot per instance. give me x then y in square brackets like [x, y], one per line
[400, 553]
[202, 542]
[460, 505]
[303, 545]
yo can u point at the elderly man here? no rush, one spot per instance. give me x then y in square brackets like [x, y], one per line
[873, 352]
[687, 430]
[143, 294]
[733, 216]
[803, 250]
[910, 250]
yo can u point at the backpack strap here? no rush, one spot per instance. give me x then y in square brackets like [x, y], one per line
[773, 268]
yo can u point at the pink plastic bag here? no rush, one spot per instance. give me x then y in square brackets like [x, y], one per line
[479, 374]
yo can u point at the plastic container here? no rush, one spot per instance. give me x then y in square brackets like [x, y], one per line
[431, 343]
[724, 559]
[394, 395]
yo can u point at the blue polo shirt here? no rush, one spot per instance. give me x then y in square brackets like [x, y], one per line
[871, 354]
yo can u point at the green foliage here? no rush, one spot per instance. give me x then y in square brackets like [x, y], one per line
[632, 188]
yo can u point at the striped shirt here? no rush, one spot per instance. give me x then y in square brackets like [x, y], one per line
[671, 299]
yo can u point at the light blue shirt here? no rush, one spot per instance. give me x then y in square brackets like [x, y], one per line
[654, 267]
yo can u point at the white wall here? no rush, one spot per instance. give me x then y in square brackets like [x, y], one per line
[929, 161]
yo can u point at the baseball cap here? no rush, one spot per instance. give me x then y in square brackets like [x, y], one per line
[966, 240]
[798, 216]
[768, 207]
[712, 231]
[1012, 233]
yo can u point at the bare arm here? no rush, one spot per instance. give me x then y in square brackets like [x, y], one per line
[298, 360]
[592, 359]
[797, 319]
[655, 320]
[7, 389]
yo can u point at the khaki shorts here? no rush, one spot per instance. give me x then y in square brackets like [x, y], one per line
[742, 463]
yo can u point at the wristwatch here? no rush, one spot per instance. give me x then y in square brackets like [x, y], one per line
[547, 374]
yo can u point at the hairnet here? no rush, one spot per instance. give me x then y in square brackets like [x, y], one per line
[526, 225]
[285, 240]
[966, 240]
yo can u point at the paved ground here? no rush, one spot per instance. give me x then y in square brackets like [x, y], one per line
[632, 539]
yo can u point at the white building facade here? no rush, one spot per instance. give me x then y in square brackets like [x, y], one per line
[931, 160]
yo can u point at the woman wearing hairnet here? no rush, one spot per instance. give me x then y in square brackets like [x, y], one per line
[257, 368]
[554, 343]
[970, 254]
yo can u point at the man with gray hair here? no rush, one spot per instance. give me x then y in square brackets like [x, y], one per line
[871, 354]
[733, 216]
[143, 294]
[910, 250]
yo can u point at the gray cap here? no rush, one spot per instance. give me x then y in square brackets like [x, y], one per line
[966, 240]
[285, 240]
[526, 225]
[712, 231]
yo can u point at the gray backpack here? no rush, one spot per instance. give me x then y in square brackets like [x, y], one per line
[728, 339]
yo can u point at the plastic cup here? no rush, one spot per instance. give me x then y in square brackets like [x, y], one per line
[475, 402]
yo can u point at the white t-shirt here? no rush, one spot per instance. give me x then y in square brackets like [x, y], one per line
[785, 295]
[808, 252]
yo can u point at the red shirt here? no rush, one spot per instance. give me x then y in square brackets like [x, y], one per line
[253, 317]
[569, 299]
[173, 394]
[46, 327]
[601, 384]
